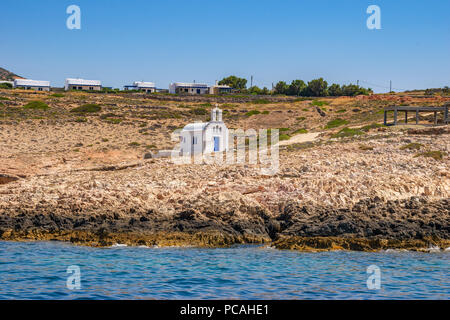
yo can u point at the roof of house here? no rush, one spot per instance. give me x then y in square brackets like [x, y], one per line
[83, 82]
[142, 84]
[31, 83]
[223, 86]
[190, 85]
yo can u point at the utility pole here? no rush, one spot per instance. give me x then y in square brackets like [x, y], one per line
[251, 81]
[390, 85]
[357, 83]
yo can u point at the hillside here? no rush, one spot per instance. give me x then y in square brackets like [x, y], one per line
[8, 75]
[72, 168]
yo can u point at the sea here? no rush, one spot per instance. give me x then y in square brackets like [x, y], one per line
[57, 270]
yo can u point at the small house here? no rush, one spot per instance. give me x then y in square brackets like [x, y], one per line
[188, 88]
[82, 84]
[29, 84]
[205, 137]
[147, 87]
[220, 89]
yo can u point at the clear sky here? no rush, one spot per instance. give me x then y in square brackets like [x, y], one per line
[206, 40]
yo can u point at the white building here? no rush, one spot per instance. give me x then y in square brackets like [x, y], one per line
[32, 84]
[220, 89]
[188, 88]
[141, 86]
[205, 137]
[82, 84]
[9, 82]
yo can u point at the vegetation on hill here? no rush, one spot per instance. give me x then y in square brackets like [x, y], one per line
[87, 108]
[36, 105]
[8, 75]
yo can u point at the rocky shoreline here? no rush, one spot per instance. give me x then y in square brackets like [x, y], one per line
[369, 225]
[354, 184]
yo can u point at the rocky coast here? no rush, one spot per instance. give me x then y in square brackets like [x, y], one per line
[381, 188]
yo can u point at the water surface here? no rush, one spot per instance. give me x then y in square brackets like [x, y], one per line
[38, 270]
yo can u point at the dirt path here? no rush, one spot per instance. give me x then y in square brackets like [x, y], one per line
[300, 138]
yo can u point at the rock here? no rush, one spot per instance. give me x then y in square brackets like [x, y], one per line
[148, 155]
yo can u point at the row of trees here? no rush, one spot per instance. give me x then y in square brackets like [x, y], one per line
[314, 88]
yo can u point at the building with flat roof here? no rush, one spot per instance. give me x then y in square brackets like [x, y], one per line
[82, 84]
[220, 89]
[28, 84]
[188, 88]
[141, 86]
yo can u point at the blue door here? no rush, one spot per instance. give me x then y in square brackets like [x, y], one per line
[216, 143]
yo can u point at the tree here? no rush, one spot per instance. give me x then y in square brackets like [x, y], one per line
[265, 91]
[281, 88]
[254, 90]
[234, 82]
[5, 85]
[296, 88]
[335, 90]
[317, 88]
[354, 90]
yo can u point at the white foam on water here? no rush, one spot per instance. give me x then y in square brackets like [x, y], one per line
[119, 245]
[394, 250]
[434, 249]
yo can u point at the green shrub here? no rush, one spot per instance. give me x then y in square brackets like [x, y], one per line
[199, 111]
[336, 123]
[283, 129]
[265, 112]
[319, 103]
[134, 144]
[113, 120]
[252, 112]
[81, 119]
[371, 126]
[4, 98]
[6, 86]
[348, 132]
[87, 108]
[300, 131]
[341, 111]
[57, 95]
[301, 118]
[36, 105]
[283, 137]
[436, 155]
[412, 146]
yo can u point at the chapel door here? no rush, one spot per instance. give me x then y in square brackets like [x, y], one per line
[216, 144]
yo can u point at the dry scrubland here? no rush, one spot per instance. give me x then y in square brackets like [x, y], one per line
[80, 175]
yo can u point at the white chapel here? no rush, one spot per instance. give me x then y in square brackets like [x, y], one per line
[205, 137]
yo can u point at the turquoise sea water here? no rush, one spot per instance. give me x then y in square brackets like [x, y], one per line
[38, 270]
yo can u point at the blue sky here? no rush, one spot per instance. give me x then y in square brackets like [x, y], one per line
[206, 40]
